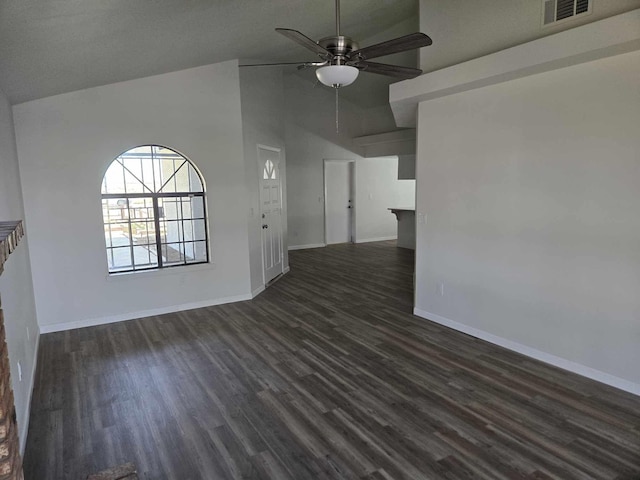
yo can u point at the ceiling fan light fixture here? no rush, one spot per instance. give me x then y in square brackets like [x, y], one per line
[337, 76]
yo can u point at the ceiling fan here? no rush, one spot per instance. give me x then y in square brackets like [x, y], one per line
[342, 59]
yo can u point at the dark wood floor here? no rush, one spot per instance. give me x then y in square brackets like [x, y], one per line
[326, 375]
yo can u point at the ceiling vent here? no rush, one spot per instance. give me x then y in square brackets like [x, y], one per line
[554, 11]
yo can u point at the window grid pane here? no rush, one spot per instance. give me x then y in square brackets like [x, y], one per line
[146, 180]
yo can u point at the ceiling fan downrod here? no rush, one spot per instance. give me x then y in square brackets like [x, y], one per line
[337, 18]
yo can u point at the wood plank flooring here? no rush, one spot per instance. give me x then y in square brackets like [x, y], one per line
[326, 375]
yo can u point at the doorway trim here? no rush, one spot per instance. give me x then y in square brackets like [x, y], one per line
[352, 188]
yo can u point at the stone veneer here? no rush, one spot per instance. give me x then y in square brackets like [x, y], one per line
[10, 461]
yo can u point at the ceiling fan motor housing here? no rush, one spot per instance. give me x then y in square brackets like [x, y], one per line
[339, 46]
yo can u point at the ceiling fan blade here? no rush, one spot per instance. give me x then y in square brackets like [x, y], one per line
[389, 70]
[305, 41]
[282, 64]
[400, 44]
[301, 65]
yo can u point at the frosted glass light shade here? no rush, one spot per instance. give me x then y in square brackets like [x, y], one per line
[337, 75]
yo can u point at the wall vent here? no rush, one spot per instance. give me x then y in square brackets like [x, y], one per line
[554, 11]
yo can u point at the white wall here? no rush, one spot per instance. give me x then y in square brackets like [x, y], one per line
[66, 142]
[262, 97]
[530, 190]
[377, 189]
[16, 288]
[407, 167]
[379, 119]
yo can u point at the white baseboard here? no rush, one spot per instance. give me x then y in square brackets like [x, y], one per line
[559, 362]
[303, 247]
[377, 239]
[257, 291]
[91, 322]
[59, 327]
[262, 288]
[24, 424]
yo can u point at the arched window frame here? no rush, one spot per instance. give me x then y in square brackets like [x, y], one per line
[155, 200]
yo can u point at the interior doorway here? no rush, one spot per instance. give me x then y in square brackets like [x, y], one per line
[339, 201]
[270, 211]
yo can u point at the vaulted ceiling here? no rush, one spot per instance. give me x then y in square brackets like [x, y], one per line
[56, 46]
[51, 47]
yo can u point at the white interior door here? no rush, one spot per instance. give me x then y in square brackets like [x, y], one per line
[338, 176]
[270, 211]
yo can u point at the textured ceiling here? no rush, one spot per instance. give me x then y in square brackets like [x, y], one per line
[56, 46]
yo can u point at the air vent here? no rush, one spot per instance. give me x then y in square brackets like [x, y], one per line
[555, 11]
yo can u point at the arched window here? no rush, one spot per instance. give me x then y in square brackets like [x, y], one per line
[153, 207]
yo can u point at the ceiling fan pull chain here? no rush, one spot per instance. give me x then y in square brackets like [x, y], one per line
[337, 117]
